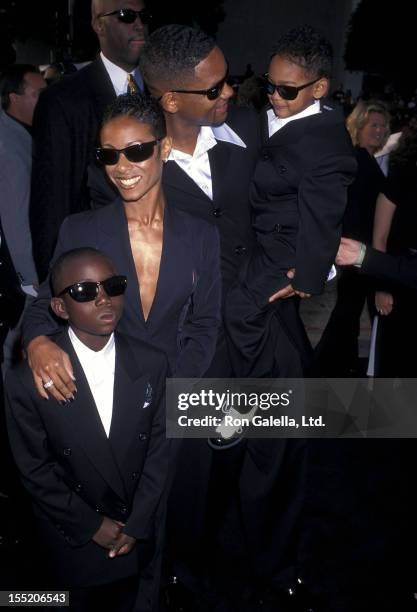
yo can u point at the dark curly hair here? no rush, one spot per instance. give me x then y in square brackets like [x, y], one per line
[143, 108]
[306, 47]
[170, 55]
[406, 152]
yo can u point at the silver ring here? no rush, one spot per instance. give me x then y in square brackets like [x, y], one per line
[48, 384]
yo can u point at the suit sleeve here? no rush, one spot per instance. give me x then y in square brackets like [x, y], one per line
[198, 335]
[38, 319]
[41, 474]
[401, 269]
[14, 213]
[322, 199]
[54, 167]
[153, 481]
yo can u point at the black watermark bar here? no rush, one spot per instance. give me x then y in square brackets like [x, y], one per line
[33, 599]
[229, 409]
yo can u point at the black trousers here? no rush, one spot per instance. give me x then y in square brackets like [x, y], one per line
[117, 596]
[336, 354]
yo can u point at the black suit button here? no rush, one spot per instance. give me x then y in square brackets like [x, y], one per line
[266, 156]
[282, 169]
[135, 475]
[78, 488]
[143, 437]
[98, 509]
[67, 452]
[277, 227]
[217, 212]
[240, 250]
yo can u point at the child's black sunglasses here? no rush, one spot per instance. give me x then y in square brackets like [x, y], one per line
[87, 291]
[286, 92]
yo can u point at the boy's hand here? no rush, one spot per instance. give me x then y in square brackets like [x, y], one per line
[289, 290]
[50, 363]
[107, 534]
[122, 546]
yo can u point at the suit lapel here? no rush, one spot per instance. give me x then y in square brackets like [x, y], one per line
[102, 87]
[219, 157]
[174, 176]
[132, 395]
[84, 419]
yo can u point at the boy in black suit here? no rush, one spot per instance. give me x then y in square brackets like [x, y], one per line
[96, 466]
[298, 197]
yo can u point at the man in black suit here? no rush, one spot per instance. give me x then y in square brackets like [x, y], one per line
[96, 467]
[67, 118]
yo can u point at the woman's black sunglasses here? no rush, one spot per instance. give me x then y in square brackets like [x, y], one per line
[130, 15]
[286, 92]
[212, 93]
[134, 153]
[87, 291]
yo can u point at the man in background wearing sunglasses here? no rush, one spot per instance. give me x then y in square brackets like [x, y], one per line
[87, 466]
[68, 116]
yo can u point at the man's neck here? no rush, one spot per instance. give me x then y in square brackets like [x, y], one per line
[184, 136]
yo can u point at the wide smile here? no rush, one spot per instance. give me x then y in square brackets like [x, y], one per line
[129, 183]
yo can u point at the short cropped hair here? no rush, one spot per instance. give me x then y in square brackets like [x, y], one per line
[171, 54]
[12, 80]
[143, 108]
[68, 258]
[358, 118]
[306, 47]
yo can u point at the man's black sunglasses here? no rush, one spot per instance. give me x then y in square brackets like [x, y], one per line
[286, 92]
[87, 291]
[134, 153]
[212, 93]
[130, 15]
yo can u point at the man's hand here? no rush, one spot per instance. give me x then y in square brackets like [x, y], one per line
[107, 534]
[384, 302]
[348, 253]
[122, 546]
[289, 290]
[50, 363]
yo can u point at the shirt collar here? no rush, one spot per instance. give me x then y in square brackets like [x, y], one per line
[276, 123]
[117, 75]
[207, 139]
[81, 349]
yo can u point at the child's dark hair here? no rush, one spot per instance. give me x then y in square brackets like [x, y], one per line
[143, 108]
[66, 259]
[306, 47]
[171, 54]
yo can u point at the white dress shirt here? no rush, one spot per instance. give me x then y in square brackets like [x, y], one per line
[197, 165]
[276, 123]
[98, 368]
[118, 76]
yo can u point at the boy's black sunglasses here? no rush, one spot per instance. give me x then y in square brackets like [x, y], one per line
[134, 153]
[87, 291]
[212, 93]
[286, 92]
[130, 15]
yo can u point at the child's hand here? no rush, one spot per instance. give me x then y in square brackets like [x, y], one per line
[108, 533]
[122, 546]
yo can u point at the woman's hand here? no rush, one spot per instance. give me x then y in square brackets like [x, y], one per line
[384, 302]
[51, 366]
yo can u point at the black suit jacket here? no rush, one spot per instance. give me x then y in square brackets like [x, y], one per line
[65, 127]
[399, 270]
[232, 167]
[299, 195]
[76, 475]
[185, 314]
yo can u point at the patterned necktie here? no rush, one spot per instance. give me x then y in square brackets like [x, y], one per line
[131, 85]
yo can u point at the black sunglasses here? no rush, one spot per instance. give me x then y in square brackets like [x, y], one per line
[134, 153]
[286, 92]
[87, 291]
[212, 93]
[130, 15]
